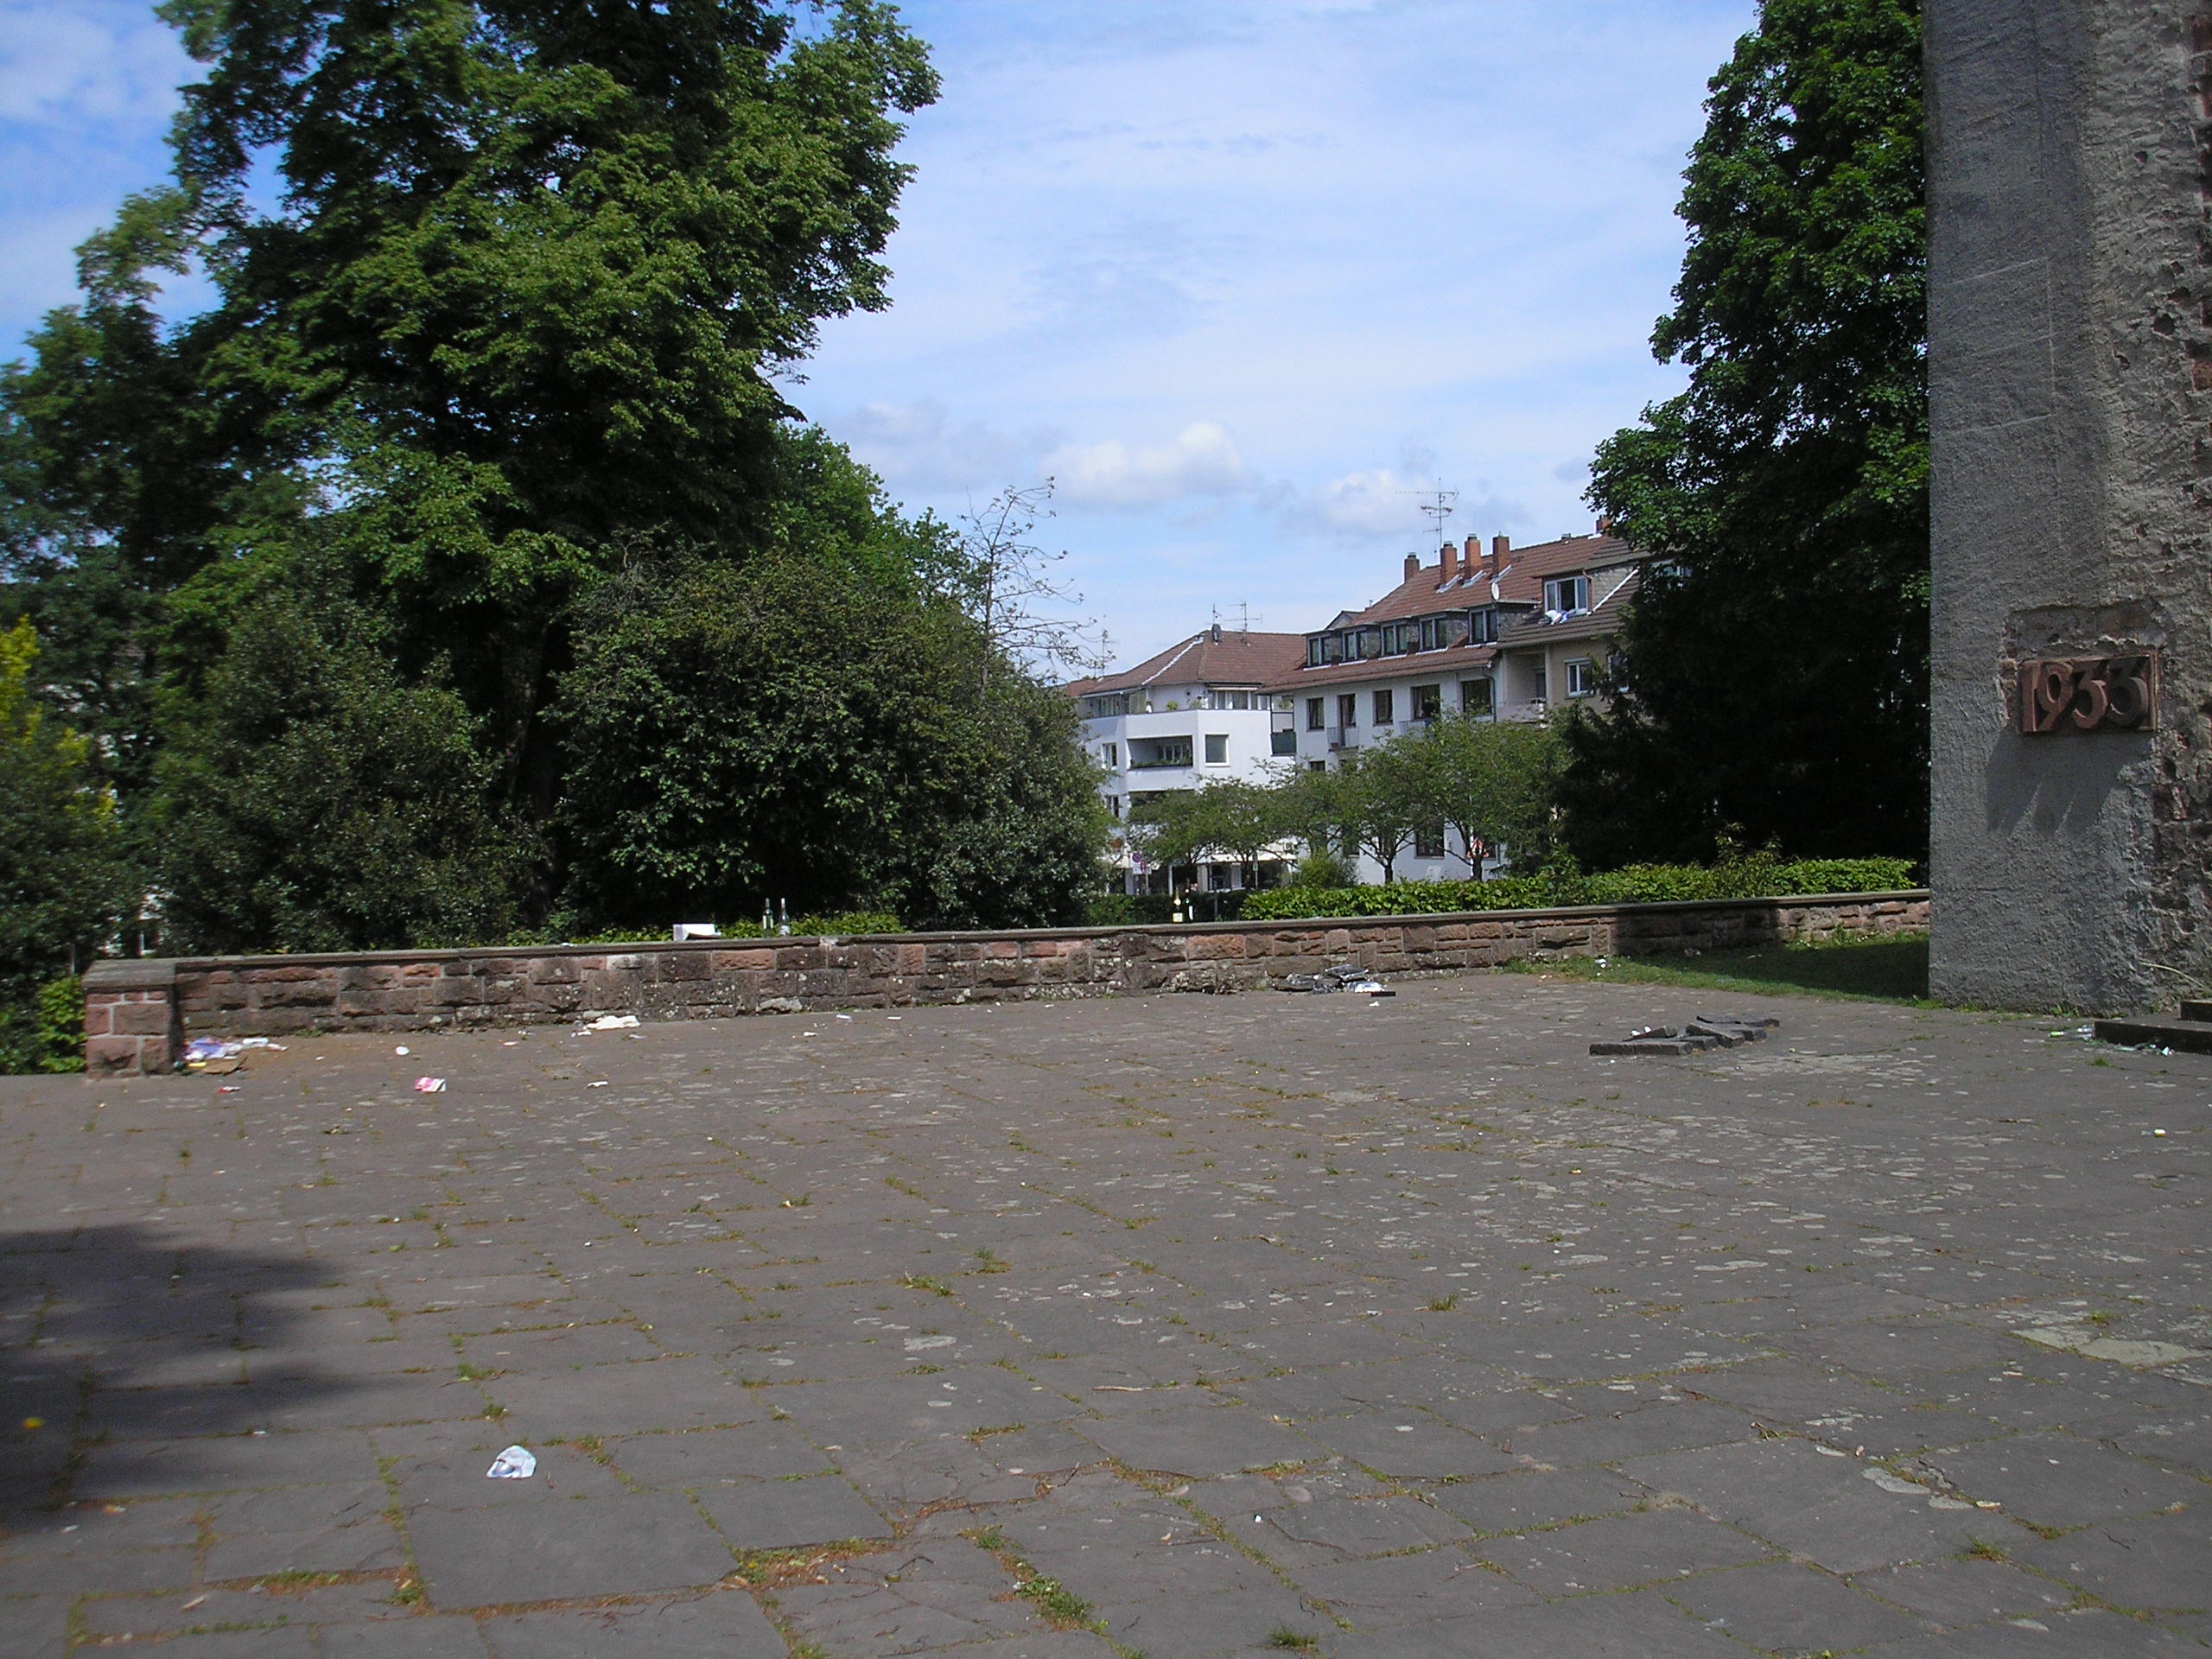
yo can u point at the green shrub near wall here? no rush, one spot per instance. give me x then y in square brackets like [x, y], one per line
[47, 1033]
[1758, 877]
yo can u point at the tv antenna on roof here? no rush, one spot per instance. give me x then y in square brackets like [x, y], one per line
[1436, 505]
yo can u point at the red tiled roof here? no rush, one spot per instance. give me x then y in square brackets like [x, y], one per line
[1233, 660]
[1521, 580]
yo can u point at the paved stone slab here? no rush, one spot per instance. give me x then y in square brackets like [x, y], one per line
[1199, 1440]
[724, 1625]
[1793, 1609]
[779, 1514]
[564, 1552]
[1057, 1278]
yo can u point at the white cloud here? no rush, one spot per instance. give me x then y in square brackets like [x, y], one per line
[920, 444]
[69, 65]
[1201, 462]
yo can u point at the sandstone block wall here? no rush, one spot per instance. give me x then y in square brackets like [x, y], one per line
[125, 1001]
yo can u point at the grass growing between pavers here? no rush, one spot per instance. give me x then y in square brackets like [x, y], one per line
[1869, 970]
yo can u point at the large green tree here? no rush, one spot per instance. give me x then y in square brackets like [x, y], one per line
[1772, 674]
[506, 294]
[494, 284]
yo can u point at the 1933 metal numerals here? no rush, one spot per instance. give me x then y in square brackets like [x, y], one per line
[2087, 694]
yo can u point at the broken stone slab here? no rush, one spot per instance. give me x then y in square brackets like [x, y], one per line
[1763, 1021]
[1688, 1043]
[2086, 1340]
[2190, 1036]
[1730, 1034]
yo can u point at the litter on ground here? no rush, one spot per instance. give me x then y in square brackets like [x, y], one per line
[614, 1021]
[429, 1085]
[515, 1463]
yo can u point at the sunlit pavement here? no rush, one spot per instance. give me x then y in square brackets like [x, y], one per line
[1223, 1324]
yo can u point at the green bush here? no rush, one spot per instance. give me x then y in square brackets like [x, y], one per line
[47, 1033]
[1110, 910]
[1758, 876]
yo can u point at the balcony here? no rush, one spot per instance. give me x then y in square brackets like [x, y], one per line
[1158, 753]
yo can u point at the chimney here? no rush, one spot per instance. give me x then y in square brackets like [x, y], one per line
[1214, 634]
[1412, 566]
[1446, 564]
[1500, 546]
[1604, 526]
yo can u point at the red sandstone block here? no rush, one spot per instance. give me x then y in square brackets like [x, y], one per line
[139, 1019]
[111, 1055]
[96, 1016]
[738, 961]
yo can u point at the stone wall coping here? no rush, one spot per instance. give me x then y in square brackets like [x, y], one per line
[168, 967]
[131, 974]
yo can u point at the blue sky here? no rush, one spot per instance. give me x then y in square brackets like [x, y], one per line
[1240, 275]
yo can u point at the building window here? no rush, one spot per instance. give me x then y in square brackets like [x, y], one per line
[1581, 678]
[1567, 594]
[1106, 705]
[1113, 806]
[1216, 748]
[1317, 765]
[1428, 702]
[1539, 686]
[1111, 754]
[1284, 741]
[1382, 701]
[1428, 841]
[1317, 716]
[1347, 710]
[1475, 696]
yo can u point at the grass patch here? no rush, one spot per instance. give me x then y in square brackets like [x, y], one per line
[1879, 970]
[1056, 1603]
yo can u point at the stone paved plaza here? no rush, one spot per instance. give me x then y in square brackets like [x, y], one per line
[1225, 1325]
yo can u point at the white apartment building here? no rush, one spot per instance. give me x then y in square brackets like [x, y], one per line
[1502, 633]
[1201, 709]
[1505, 634]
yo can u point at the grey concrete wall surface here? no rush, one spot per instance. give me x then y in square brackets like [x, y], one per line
[2070, 357]
[136, 1014]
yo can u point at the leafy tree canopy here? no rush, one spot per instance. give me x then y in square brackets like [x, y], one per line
[1773, 671]
[793, 730]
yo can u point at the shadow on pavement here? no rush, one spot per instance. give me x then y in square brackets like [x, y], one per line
[119, 1331]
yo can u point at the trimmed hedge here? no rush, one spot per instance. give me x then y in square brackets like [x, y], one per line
[1638, 884]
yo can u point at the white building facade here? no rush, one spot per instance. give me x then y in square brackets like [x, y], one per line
[1202, 710]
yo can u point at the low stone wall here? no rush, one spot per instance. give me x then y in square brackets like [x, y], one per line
[139, 1013]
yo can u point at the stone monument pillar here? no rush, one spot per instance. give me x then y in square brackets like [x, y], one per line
[2071, 371]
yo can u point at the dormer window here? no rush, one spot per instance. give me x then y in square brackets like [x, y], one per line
[1482, 628]
[1566, 595]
